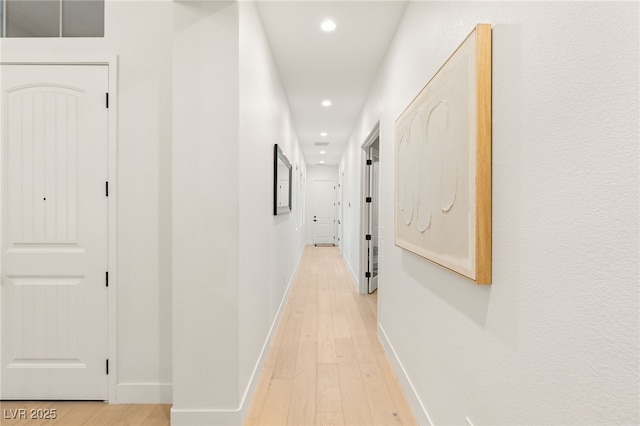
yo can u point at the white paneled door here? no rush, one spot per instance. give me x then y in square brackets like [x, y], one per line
[54, 232]
[324, 212]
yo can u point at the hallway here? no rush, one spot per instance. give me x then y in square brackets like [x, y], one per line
[326, 365]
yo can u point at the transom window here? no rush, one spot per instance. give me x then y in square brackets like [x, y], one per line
[52, 18]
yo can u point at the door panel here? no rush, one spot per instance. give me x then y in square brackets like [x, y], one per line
[324, 212]
[54, 232]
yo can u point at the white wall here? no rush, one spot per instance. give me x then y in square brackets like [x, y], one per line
[205, 211]
[232, 259]
[554, 340]
[140, 33]
[315, 173]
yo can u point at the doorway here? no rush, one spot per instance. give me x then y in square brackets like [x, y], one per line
[370, 212]
[324, 216]
[55, 232]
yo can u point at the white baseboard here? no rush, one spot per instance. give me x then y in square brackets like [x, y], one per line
[419, 410]
[145, 393]
[205, 417]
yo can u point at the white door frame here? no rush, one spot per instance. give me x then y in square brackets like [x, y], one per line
[340, 210]
[112, 62]
[373, 134]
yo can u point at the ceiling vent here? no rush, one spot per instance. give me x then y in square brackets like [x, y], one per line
[322, 143]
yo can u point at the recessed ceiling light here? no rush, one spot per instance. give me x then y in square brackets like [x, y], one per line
[321, 162]
[323, 152]
[326, 103]
[324, 134]
[328, 26]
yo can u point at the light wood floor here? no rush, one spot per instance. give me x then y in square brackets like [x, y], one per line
[326, 365]
[83, 413]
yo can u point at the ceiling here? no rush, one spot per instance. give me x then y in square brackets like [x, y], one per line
[339, 66]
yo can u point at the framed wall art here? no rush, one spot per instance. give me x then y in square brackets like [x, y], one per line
[443, 164]
[282, 179]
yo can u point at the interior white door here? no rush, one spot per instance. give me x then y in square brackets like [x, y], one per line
[54, 232]
[324, 208]
[372, 208]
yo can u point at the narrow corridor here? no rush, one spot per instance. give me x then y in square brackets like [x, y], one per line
[326, 365]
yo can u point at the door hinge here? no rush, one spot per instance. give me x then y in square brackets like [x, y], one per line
[106, 188]
[369, 162]
[367, 237]
[107, 99]
[107, 366]
[106, 278]
[367, 274]
[368, 199]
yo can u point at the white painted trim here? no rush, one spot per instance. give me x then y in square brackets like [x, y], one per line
[237, 415]
[363, 287]
[145, 393]
[57, 59]
[204, 417]
[371, 137]
[112, 174]
[419, 410]
[113, 229]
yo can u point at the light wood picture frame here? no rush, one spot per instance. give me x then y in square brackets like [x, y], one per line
[443, 164]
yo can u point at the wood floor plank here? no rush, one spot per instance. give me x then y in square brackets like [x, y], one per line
[326, 340]
[107, 414]
[359, 332]
[329, 397]
[383, 409]
[302, 410]
[355, 405]
[159, 416]
[42, 413]
[324, 300]
[276, 405]
[285, 365]
[80, 413]
[135, 414]
[309, 331]
[341, 326]
[345, 352]
[330, 419]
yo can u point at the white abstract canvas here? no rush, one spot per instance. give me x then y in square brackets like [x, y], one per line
[437, 166]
